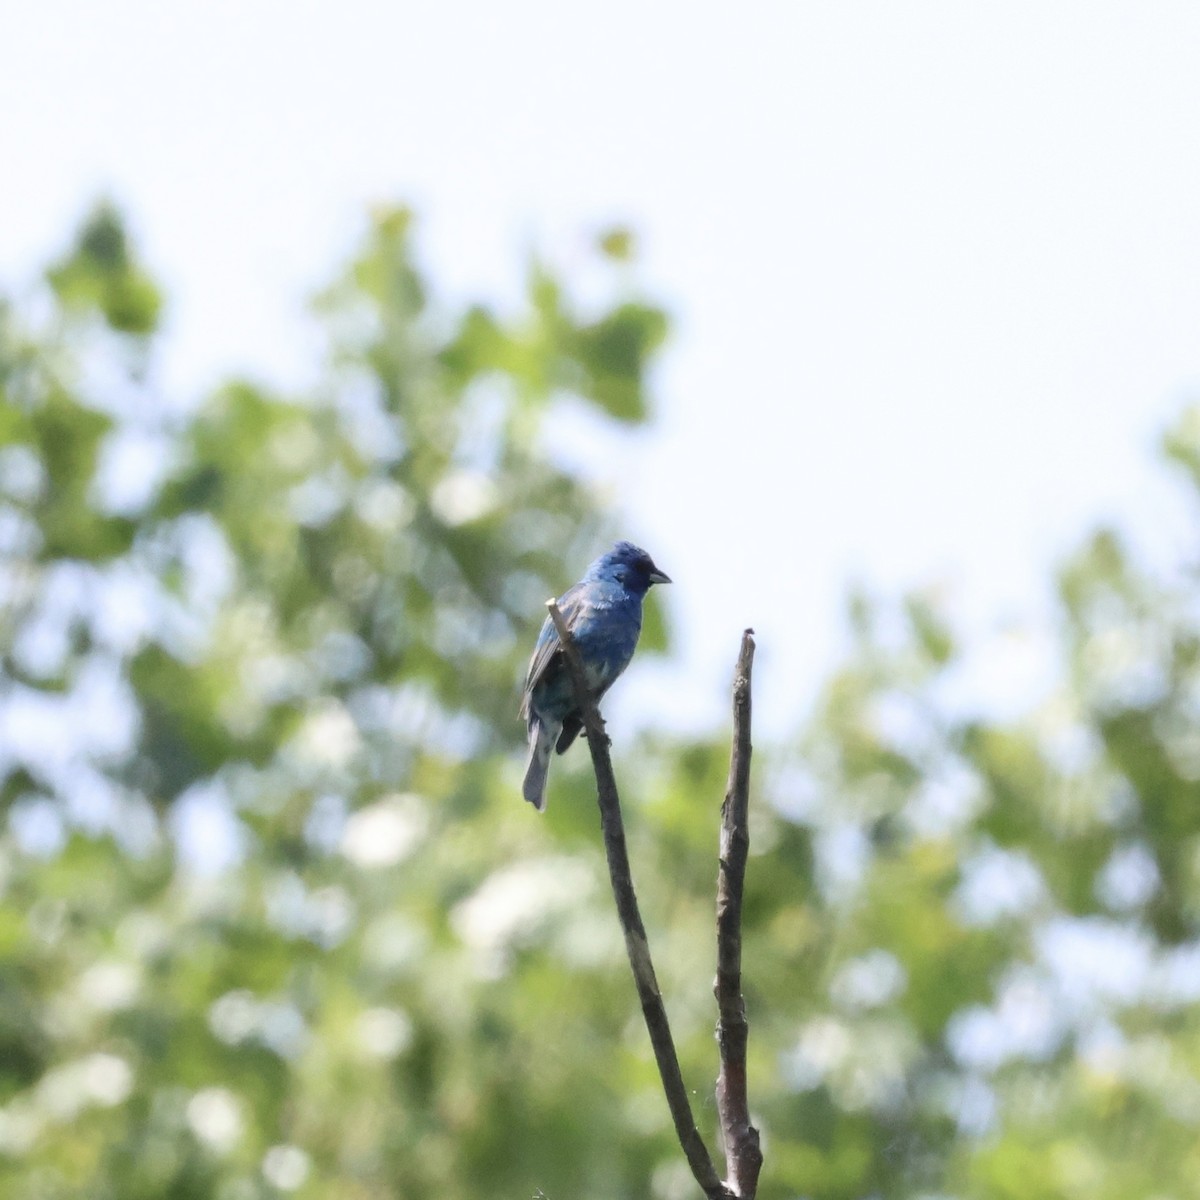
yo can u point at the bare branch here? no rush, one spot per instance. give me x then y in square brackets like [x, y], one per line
[636, 945]
[743, 1157]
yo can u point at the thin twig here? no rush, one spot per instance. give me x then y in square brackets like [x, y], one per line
[636, 944]
[743, 1157]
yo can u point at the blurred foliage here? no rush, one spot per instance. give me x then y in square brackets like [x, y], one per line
[274, 921]
[100, 275]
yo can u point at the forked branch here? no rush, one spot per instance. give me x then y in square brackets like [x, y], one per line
[742, 1153]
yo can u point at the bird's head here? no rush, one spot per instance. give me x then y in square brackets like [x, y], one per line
[630, 566]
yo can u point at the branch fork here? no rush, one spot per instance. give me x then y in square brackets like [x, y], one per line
[742, 1153]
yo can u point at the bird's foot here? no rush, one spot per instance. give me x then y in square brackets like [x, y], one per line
[587, 733]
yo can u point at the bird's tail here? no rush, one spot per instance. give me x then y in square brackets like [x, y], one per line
[541, 742]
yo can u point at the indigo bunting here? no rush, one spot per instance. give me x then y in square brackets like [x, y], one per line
[603, 611]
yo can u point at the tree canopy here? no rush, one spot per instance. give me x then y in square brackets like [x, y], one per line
[274, 920]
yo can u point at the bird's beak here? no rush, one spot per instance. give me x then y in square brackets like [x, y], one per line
[657, 576]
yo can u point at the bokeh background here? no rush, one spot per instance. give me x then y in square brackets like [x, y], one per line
[333, 340]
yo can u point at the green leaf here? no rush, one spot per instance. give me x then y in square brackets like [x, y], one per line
[100, 272]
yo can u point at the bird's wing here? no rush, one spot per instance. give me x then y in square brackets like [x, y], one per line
[571, 729]
[569, 604]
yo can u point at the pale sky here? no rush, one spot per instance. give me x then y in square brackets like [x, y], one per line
[935, 267]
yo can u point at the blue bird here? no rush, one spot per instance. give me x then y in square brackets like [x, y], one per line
[603, 611]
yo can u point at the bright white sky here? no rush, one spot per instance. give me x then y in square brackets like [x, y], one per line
[935, 266]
